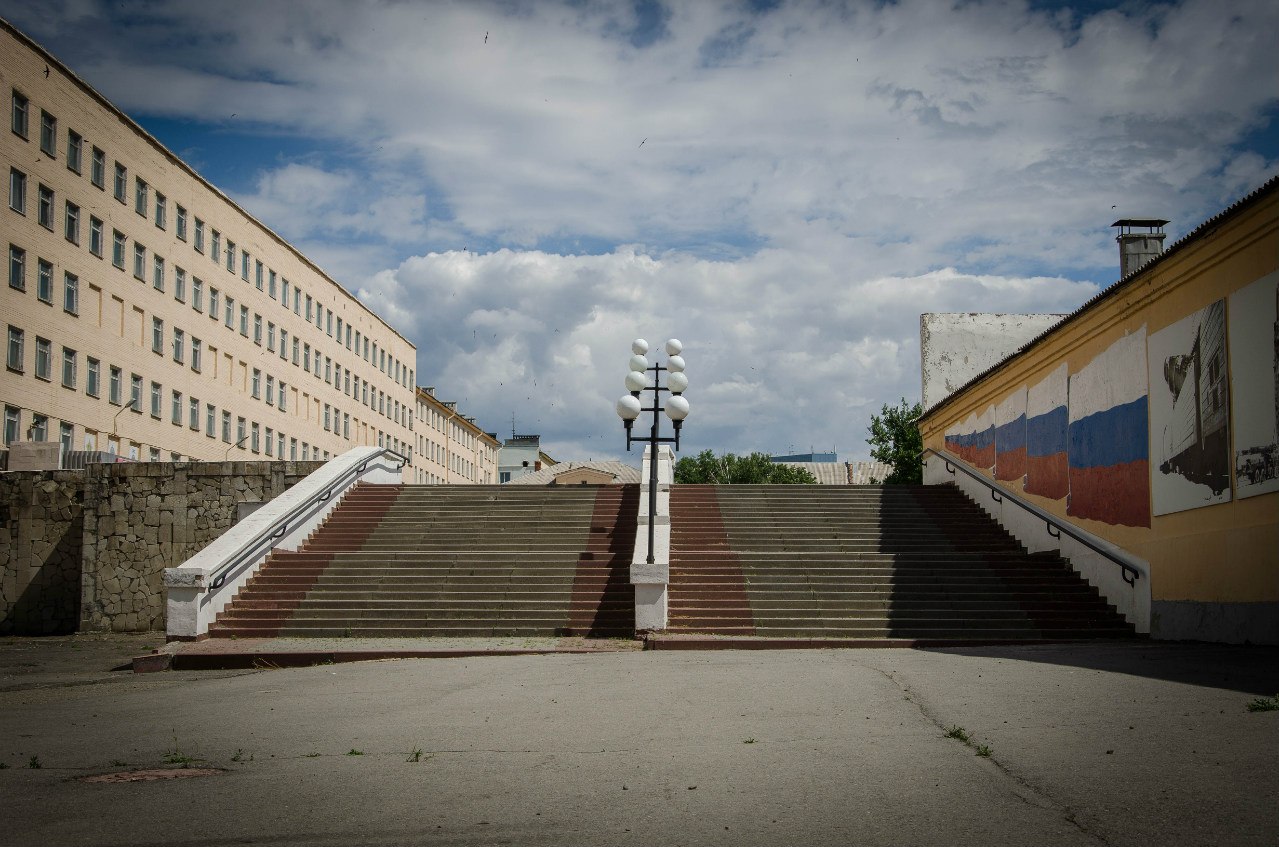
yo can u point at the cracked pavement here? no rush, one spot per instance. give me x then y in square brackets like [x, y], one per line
[1119, 744]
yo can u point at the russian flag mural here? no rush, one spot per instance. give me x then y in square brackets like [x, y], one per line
[1047, 471]
[973, 441]
[1010, 437]
[1107, 439]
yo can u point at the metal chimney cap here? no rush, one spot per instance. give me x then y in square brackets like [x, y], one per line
[1150, 222]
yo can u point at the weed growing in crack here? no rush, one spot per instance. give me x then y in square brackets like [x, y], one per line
[354, 752]
[415, 756]
[958, 733]
[1265, 704]
[177, 756]
[748, 741]
[240, 757]
[983, 751]
[34, 763]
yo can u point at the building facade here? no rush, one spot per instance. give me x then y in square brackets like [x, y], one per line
[521, 455]
[147, 314]
[449, 447]
[1150, 418]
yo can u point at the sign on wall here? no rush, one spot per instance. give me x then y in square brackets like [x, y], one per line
[1106, 441]
[1254, 389]
[1189, 412]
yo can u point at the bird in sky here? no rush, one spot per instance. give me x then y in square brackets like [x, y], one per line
[486, 37]
[641, 144]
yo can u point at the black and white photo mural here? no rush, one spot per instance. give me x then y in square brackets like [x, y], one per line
[1189, 412]
[1254, 390]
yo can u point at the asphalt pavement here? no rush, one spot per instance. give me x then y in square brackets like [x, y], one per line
[1120, 744]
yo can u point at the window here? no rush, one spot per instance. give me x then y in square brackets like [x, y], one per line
[139, 261]
[48, 134]
[213, 302]
[179, 284]
[284, 343]
[256, 384]
[70, 293]
[175, 409]
[270, 438]
[95, 236]
[253, 441]
[197, 294]
[17, 268]
[326, 417]
[66, 435]
[279, 444]
[293, 449]
[241, 431]
[44, 208]
[297, 300]
[157, 336]
[181, 223]
[12, 421]
[295, 351]
[179, 346]
[226, 426]
[75, 150]
[44, 281]
[270, 336]
[135, 393]
[193, 418]
[121, 181]
[210, 420]
[98, 168]
[157, 274]
[39, 428]
[161, 209]
[140, 196]
[257, 329]
[157, 399]
[244, 265]
[257, 272]
[270, 390]
[154, 454]
[230, 313]
[115, 386]
[270, 282]
[230, 255]
[308, 308]
[306, 357]
[92, 377]
[244, 321]
[68, 368]
[284, 292]
[199, 235]
[16, 352]
[197, 348]
[71, 225]
[281, 398]
[117, 248]
[18, 123]
[44, 358]
[215, 246]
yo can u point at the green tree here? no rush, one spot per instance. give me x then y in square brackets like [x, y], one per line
[895, 440]
[756, 469]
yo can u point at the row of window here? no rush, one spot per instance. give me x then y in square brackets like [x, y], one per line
[265, 279]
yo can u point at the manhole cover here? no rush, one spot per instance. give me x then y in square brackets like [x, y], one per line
[152, 774]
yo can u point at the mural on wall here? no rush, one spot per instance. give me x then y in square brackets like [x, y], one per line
[973, 441]
[1047, 470]
[1106, 439]
[1254, 389]
[1189, 412]
[1010, 437]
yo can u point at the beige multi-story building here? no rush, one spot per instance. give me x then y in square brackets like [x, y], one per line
[148, 314]
[449, 446]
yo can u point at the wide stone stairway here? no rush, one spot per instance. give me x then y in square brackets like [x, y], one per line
[873, 562]
[417, 560]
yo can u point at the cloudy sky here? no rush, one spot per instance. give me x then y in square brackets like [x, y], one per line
[521, 188]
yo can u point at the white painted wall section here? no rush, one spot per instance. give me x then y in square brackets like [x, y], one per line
[955, 347]
[192, 599]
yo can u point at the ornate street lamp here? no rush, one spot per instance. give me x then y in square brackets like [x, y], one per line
[676, 408]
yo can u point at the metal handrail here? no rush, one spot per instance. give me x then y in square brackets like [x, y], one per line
[1055, 526]
[280, 528]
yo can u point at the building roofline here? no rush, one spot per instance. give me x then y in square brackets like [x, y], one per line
[1269, 187]
[88, 89]
[424, 395]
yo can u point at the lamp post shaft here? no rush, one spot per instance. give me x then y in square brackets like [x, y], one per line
[652, 485]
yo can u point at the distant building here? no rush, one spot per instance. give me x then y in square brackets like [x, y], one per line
[805, 457]
[582, 473]
[843, 473]
[449, 447]
[521, 455]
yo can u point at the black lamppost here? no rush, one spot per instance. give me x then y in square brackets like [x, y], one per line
[676, 408]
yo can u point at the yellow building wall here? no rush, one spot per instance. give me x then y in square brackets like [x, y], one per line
[1225, 552]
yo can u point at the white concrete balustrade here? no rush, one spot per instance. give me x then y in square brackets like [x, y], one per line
[651, 580]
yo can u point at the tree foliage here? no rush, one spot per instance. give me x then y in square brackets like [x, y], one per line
[895, 440]
[756, 469]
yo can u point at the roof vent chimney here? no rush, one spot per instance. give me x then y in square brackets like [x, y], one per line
[1137, 248]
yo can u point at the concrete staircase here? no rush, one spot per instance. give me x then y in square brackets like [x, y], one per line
[405, 560]
[919, 563]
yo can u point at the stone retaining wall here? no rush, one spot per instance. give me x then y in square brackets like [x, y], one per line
[88, 548]
[41, 522]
